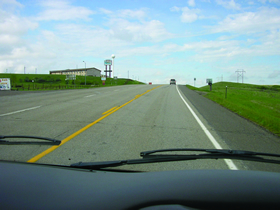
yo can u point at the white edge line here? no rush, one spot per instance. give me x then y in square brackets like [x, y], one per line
[1, 115]
[90, 95]
[230, 164]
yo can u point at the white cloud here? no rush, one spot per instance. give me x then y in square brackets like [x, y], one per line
[210, 51]
[62, 10]
[6, 39]
[141, 30]
[106, 11]
[31, 56]
[274, 74]
[11, 24]
[140, 51]
[191, 3]
[250, 22]
[135, 14]
[175, 9]
[211, 45]
[139, 14]
[11, 3]
[12, 29]
[202, 51]
[151, 31]
[188, 15]
[86, 39]
[229, 4]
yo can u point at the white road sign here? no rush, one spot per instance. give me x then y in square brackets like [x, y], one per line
[5, 84]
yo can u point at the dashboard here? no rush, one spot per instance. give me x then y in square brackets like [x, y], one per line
[36, 186]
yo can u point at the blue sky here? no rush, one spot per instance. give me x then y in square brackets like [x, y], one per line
[153, 40]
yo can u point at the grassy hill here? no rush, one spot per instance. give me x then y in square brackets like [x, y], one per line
[258, 103]
[49, 82]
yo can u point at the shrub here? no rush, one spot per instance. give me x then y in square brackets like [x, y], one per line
[41, 80]
[83, 83]
[27, 79]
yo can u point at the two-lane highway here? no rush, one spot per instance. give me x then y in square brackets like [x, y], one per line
[119, 122]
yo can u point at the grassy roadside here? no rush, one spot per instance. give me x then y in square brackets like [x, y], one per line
[50, 82]
[258, 103]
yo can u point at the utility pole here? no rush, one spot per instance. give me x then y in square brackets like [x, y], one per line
[86, 73]
[240, 73]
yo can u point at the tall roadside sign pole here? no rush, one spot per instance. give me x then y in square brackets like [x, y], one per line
[113, 70]
[108, 62]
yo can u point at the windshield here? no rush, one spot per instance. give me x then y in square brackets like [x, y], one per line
[95, 75]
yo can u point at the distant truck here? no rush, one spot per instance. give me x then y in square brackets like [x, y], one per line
[172, 82]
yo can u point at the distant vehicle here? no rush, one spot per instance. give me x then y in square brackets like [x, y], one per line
[172, 82]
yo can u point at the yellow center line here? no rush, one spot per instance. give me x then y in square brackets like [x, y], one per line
[105, 114]
[109, 110]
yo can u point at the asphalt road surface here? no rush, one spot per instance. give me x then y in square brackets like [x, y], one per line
[116, 123]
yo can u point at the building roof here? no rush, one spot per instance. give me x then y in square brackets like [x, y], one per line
[72, 70]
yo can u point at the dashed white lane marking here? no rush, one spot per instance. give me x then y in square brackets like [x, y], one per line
[23, 110]
[90, 95]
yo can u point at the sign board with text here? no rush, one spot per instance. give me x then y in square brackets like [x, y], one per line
[103, 78]
[108, 62]
[70, 77]
[5, 84]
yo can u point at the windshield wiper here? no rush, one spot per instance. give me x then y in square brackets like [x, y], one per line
[149, 157]
[212, 151]
[47, 141]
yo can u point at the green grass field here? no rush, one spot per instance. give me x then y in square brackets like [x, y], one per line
[258, 103]
[50, 82]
